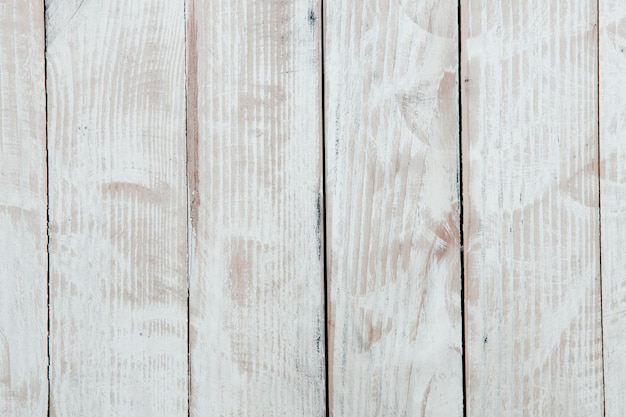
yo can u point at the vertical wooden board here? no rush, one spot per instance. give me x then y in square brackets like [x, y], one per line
[613, 199]
[23, 239]
[254, 145]
[118, 212]
[392, 156]
[531, 231]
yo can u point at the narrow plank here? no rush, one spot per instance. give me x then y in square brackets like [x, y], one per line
[530, 177]
[254, 145]
[613, 199]
[23, 236]
[392, 159]
[118, 213]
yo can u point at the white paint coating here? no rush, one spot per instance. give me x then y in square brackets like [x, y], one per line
[254, 142]
[118, 215]
[23, 240]
[530, 176]
[613, 200]
[393, 221]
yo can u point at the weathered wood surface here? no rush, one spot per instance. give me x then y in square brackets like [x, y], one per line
[254, 159]
[185, 153]
[118, 213]
[530, 175]
[23, 239]
[613, 200]
[391, 111]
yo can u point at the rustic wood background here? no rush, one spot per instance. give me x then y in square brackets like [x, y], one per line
[312, 207]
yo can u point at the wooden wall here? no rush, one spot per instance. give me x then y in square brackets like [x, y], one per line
[312, 208]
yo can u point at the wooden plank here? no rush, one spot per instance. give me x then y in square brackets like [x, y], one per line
[118, 213]
[392, 160]
[254, 144]
[613, 199]
[23, 236]
[531, 231]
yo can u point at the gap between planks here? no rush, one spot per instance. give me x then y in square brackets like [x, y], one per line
[460, 185]
[324, 250]
[45, 82]
[599, 156]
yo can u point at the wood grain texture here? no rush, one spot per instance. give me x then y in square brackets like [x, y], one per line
[391, 110]
[118, 212]
[613, 200]
[530, 175]
[254, 144]
[23, 237]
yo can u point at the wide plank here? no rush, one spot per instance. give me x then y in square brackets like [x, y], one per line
[23, 236]
[392, 173]
[118, 212]
[530, 194]
[613, 200]
[254, 160]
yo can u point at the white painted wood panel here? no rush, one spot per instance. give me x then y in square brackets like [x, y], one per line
[392, 143]
[531, 229]
[23, 238]
[118, 213]
[613, 200]
[254, 145]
